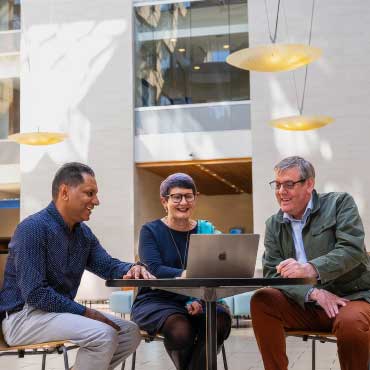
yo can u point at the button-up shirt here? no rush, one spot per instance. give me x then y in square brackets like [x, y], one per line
[46, 261]
[297, 227]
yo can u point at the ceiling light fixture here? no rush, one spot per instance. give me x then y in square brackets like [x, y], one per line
[38, 138]
[274, 57]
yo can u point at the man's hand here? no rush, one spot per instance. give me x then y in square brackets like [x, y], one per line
[138, 272]
[291, 268]
[194, 308]
[98, 316]
[328, 301]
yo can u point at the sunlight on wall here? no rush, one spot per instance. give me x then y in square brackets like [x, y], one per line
[70, 56]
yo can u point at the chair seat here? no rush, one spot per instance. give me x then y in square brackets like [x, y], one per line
[302, 333]
[46, 345]
[150, 338]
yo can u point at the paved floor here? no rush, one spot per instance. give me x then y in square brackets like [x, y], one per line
[241, 348]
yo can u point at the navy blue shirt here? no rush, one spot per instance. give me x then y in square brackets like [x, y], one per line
[46, 262]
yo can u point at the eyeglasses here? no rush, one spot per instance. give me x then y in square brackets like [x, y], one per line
[177, 198]
[288, 185]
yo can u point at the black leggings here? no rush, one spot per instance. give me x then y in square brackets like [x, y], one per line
[184, 338]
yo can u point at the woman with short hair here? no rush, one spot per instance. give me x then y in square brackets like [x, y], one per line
[163, 247]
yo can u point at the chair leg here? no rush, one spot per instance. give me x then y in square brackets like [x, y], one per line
[224, 357]
[133, 363]
[43, 364]
[123, 365]
[65, 356]
[313, 354]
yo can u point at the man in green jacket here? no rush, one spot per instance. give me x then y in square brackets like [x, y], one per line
[320, 236]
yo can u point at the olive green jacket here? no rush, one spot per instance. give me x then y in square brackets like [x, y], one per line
[333, 239]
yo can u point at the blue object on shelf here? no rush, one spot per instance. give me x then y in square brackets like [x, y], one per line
[236, 230]
[9, 203]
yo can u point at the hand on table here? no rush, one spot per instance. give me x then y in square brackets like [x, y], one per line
[291, 268]
[138, 272]
[194, 308]
[96, 315]
[328, 301]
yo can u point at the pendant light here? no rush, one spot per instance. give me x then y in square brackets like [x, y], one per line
[40, 137]
[274, 57]
[302, 122]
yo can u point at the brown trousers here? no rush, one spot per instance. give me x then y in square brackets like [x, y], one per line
[272, 311]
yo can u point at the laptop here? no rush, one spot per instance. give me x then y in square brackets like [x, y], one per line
[222, 255]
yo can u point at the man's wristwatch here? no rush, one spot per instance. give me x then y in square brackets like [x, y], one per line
[139, 263]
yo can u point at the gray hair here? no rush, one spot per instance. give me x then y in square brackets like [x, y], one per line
[177, 180]
[305, 168]
[70, 174]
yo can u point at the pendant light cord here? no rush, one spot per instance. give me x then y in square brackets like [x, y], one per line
[300, 106]
[272, 37]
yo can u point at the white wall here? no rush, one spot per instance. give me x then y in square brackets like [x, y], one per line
[338, 85]
[76, 76]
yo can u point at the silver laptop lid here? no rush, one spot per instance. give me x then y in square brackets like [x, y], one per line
[222, 255]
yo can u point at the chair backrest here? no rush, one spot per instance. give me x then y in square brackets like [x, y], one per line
[3, 258]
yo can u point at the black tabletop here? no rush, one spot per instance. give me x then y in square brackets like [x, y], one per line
[209, 282]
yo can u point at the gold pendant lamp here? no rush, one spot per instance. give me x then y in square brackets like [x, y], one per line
[274, 57]
[38, 138]
[301, 123]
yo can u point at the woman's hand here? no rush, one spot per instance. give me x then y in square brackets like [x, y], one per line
[183, 274]
[138, 272]
[194, 308]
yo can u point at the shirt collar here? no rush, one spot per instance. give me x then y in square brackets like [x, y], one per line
[288, 218]
[52, 209]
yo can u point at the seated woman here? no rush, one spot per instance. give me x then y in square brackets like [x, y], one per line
[163, 247]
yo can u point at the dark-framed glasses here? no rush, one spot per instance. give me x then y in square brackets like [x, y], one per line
[288, 185]
[177, 198]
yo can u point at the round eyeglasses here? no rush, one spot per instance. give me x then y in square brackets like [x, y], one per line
[177, 198]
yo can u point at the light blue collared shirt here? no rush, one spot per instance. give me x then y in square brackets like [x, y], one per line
[297, 227]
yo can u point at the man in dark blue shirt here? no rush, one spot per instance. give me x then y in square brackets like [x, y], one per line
[47, 256]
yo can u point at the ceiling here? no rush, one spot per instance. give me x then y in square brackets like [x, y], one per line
[212, 177]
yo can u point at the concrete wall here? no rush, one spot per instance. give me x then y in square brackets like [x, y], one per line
[76, 77]
[338, 85]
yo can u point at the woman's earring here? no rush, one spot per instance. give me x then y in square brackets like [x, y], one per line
[166, 209]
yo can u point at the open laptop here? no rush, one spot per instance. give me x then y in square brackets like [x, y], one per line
[222, 255]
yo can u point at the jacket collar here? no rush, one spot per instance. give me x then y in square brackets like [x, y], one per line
[315, 207]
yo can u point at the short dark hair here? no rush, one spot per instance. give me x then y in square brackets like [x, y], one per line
[70, 174]
[177, 180]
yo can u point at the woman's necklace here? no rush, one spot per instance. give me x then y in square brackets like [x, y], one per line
[183, 262]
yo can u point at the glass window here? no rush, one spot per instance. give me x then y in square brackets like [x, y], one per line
[9, 107]
[181, 48]
[10, 15]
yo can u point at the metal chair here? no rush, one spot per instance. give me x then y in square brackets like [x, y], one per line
[315, 336]
[61, 347]
[148, 338]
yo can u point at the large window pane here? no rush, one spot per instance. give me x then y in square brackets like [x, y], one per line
[181, 48]
[9, 107]
[10, 15]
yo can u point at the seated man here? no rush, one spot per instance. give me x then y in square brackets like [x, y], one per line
[47, 256]
[319, 236]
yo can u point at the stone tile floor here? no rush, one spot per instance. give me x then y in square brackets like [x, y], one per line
[241, 349]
